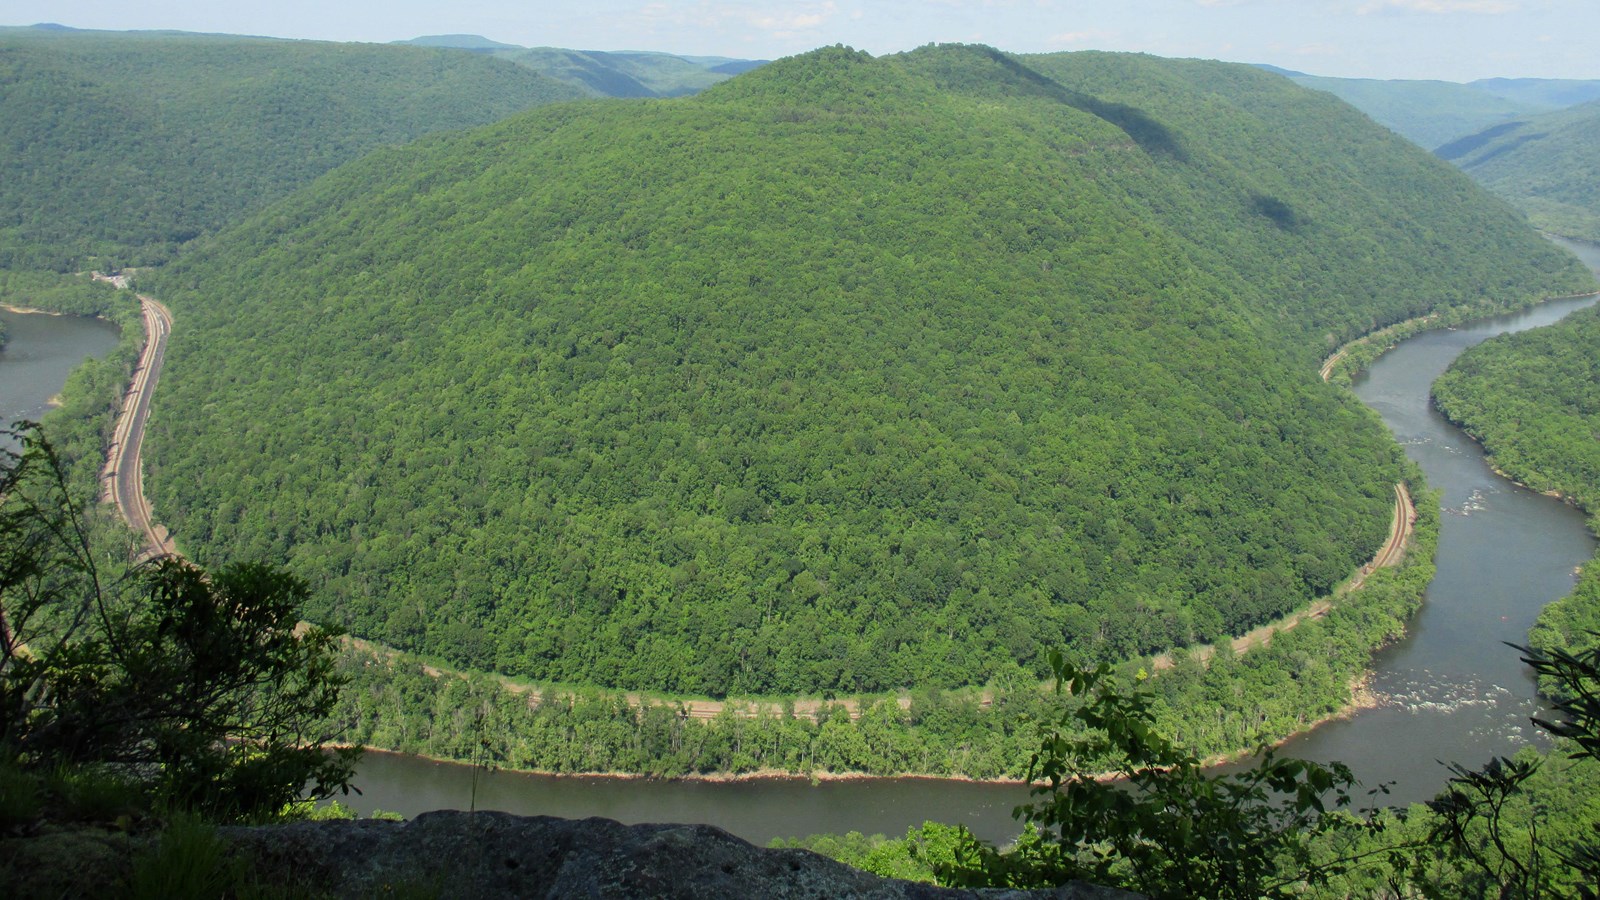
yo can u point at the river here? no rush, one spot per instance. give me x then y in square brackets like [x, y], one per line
[1450, 691]
[40, 352]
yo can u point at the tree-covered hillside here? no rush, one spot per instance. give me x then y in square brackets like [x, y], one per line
[601, 73]
[119, 147]
[846, 374]
[1429, 113]
[1434, 113]
[1548, 166]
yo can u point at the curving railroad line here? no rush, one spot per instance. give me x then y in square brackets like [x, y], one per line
[122, 480]
[122, 483]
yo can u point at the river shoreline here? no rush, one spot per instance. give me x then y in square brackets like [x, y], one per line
[761, 776]
[1361, 698]
[1334, 365]
[1553, 494]
[30, 311]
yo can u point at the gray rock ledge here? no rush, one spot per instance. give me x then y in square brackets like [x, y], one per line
[491, 855]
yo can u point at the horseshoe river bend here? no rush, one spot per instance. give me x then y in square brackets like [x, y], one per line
[1451, 690]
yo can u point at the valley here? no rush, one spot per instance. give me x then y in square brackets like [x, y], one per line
[756, 441]
[815, 519]
[641, 393]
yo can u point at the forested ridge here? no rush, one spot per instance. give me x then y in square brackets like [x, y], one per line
[1435, 113]
[847, 374]
[600, 73]
[121, 147]
[1430, 113]
[1546, 165]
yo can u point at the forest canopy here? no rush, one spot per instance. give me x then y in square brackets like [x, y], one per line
[1546, 165]
[119, 147]
[848, 374]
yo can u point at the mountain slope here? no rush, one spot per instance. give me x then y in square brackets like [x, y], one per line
[1433, 113]
[601, 73]
[629, 74]
[846, 374]
[1548, 166]
[1429, 113]
[126, 145]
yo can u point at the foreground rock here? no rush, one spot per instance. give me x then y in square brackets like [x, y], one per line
[497, 855]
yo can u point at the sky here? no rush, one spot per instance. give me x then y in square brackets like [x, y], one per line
[1453, 40]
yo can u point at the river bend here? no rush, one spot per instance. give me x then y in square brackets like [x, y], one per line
[1450, 691]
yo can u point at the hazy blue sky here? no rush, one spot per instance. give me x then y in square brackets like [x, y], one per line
[1456, 40]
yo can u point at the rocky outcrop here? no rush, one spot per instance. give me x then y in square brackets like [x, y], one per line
[489, 855]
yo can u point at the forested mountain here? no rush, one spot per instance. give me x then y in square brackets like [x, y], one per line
[1542, 93]
[1430, 113]
[1533, 141]
[1433, 113]
[121, 146]
[1548, 166]
[474, 42]
[600, 73]
[845, 374]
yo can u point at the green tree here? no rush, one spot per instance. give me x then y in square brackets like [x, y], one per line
[1163, 826]
[198, 685]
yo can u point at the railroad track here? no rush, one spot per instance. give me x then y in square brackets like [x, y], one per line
[122, 479]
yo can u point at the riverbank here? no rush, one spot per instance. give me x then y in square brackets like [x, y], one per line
[30, 311]
[1303, 677]
[760, 776]
[1354, 357]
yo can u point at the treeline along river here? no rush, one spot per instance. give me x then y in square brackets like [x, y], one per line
[1450, 691]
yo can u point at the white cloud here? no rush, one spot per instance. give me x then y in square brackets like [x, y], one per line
[789, 20]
